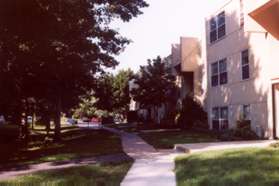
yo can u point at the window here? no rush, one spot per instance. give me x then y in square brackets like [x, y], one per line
[246, 112]
[224, 122]
[223, 71]
[215, 74]
[213, 30]
[219, 73]
[215, 118]
[245, 120]
[220, 118]
[245, 64]
[221, 25]
[217, 27]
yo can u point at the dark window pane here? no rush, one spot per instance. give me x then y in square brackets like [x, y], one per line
[221, 19]
[224, 124]
[246, 112]
[245, 57]
[223, 78]
[213, 36]
[214, 80]
[221, 31]
[224, 113]
[215, 125]
[223, 65]
[215, 113]
[245, 72]
[214, 68]
[213, 25]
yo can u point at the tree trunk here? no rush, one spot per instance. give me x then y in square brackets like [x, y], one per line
[57, 122]
[26, 129]
[33, 120]
[47, 123]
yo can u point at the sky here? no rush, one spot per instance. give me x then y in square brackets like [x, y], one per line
[161, 25]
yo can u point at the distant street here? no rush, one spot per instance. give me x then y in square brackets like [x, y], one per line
[90, 125]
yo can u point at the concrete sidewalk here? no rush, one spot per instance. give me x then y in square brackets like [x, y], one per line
[201, 147]
[156, 168]
[151, 167]
[156, 171]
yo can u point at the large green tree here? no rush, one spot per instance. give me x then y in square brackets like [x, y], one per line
[155, 85]
[52, 50]
[110, 95]
[104, 93]
[121, 92]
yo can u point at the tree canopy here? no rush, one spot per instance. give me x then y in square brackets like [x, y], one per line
[53, 50]
[121, 91]
[112, 92]
[155, 85]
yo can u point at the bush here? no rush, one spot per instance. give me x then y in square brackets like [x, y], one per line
[246, 134]
[275, 145]
[8, 132]
[107, 120]
[191, 114]
[227, 135]
[240, 124]
[132, 116]
[153, 126]
[242, 132]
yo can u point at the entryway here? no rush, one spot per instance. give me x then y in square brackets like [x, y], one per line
[275, 95]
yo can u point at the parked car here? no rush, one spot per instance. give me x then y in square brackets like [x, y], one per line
[71, 121]
[85, 119]
[95, 120]
[29, 119]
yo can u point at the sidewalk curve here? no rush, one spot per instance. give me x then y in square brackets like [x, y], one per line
[201, 147]
[151, 167]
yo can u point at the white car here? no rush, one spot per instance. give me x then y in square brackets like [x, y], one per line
[29, 119]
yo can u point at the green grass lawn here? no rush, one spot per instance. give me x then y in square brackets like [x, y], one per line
[167, 139]
[75, 143]
[98, 175]
[248, 167]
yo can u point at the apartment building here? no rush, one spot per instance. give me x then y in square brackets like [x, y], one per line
[242, 65]
[189, 68]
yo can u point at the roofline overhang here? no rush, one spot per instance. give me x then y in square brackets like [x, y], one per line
[267, 16]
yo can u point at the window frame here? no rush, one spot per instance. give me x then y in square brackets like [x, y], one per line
[220, 25]
[215, 29]
[220, 72]
[224, 120]
[245, 64]
[221, 121]
[246, 114]
[225, 71]
[215, 118]
[215, 74]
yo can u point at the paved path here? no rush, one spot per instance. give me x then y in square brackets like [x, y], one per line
[28, 169]
[151, 167]
[154, 168]
[201, 147]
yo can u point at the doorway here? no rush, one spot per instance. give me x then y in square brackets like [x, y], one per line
[275, 94]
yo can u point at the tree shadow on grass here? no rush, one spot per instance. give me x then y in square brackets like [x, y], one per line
[91, 143]
[86, 175]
